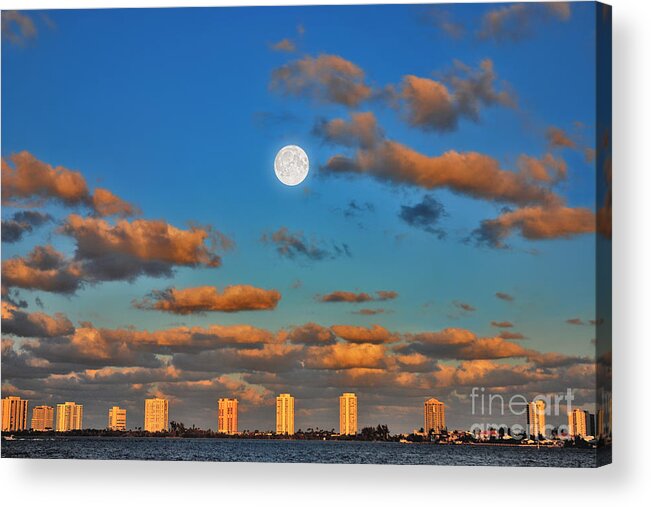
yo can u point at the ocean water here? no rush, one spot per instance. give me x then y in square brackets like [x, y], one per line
[294, 451]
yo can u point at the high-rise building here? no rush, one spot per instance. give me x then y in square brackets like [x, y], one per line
[590, 424]
[43, 418]
[70, 416]
[348, 414]
[156, 414]
[536, 419]
[117, 419]
[576, 421]
[601, 433]
[434, 416]
[285, 414]
[227, 416]
[14, 414]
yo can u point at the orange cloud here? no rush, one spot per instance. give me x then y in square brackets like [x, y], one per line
[558, 138]
[459, 343]
[360, 334]
[285, 45]
[146, 240]
[17, 27]
[433, 105]
[44, 268]
[234, 298]
[362, 130]
[517, 21]
[536, 223]
[342, 356]
[106, 203]
[470, 173]
[547, 169]
[33, 182]
[32, 179]
[326, 78]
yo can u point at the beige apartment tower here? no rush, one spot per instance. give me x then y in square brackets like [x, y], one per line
[285, 414]
[70, 416]
[536, 419]
[14, 414]
[227, 416]
[156, 414]
[434, 416]
[117, 419]
[43, 418]
[576, 421]
[348, 414]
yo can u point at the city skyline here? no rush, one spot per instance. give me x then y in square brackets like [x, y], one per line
[580, 423]
[442, 241]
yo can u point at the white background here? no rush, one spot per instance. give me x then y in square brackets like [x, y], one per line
[627, 481]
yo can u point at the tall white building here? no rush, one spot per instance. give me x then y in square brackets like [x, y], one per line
[434, 416]
[156, 414]
[227, 415]
[117, 419]
[285, 414]
[70, 416]
[536, 419]
[43, 418]
[348, 414]
[14, 413]
[576, 421]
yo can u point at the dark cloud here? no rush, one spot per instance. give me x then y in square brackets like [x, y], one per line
[442, 20]
[504, 323]
[371, 311]
[234, 298]
[425, 215]
[356, 297]
[33, 325]
[509, 335]
[576, 321]
[464, 306]
[294, 245]
[107, 252]
[44, 268]
[21, 223]
[310, 334]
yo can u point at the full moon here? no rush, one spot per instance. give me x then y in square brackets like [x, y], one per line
[291, 165]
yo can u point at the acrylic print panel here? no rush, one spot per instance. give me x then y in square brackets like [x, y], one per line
[343, 234]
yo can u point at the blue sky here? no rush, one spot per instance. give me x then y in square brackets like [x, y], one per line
[172, 110]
